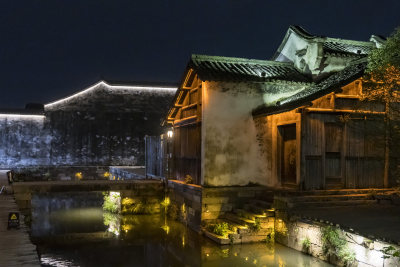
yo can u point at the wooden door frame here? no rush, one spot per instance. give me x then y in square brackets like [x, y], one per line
[278, 152]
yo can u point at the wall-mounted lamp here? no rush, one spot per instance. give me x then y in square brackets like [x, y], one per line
[170, 134]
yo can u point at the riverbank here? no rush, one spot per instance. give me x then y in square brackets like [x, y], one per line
[16, 248]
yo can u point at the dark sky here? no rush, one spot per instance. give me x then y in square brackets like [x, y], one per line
[52, 48]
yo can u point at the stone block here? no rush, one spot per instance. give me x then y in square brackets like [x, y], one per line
[197, 199]
[196, 205]
[249, 194]
[215, 200]
[218, 239]
[211, 215]
[219, 207]
[253, 238]
[267, 225]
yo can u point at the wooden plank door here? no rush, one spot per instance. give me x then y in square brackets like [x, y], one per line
[289, 152]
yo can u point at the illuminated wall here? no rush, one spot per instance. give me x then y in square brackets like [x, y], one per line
[102, 125]
[24, 140]
[232, 151]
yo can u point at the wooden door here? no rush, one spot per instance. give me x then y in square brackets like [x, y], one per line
[288, 152]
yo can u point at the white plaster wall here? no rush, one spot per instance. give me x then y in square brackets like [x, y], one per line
[231, 155]
[231, 152]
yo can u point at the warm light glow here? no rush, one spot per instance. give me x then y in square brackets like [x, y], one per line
[183, 208]
[78, 175]
[170, 134]
[106, 174]
[165, 228]
[109, 87]
[166, 202]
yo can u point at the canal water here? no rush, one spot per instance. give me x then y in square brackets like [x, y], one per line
[73, 230]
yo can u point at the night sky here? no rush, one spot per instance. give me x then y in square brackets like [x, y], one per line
[52, 48]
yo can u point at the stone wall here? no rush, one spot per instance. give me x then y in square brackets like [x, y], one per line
[293, 231]
[24, 140]
[101, 126]
[60, 173]
[186, 200]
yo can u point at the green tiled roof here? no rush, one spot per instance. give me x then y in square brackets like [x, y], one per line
[215, 68]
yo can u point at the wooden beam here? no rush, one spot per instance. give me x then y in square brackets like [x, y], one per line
[326, 110]
[189, 106]
[347, 96]
[185, 121]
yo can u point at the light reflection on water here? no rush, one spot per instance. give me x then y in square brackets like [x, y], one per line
[85, 236]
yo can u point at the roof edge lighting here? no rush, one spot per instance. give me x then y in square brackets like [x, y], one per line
[108, 86]
[22, 116]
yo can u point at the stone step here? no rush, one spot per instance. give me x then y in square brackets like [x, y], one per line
[331, 203]
[216, 238]
[245, 214]
[255, 209]
[261, 203]
[237, 219]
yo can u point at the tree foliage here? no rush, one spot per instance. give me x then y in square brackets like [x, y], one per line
[382, 84]
[382, 79]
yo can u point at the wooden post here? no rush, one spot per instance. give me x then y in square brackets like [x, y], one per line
[388, 95]
[387, 139]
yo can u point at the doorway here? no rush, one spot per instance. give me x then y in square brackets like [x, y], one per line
[288, 154]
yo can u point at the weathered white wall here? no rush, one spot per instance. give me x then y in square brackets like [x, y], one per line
[231, 154]
[308, 56]
[231, 150]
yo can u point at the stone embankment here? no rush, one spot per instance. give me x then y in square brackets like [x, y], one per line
[16, 248]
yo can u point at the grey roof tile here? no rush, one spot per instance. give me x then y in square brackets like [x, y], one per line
[312, 92]
[241, 69]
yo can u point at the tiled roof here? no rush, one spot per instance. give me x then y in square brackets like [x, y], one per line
[310, 93]
[215, 68]
[347, 46]
[335, 45]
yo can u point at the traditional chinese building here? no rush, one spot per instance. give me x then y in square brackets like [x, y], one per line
[295, 121]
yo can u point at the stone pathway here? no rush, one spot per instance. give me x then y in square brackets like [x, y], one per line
[16, 248]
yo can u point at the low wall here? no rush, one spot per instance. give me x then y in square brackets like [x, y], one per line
[294, 232]
[60, 173]
[127, 172]
[147, 189]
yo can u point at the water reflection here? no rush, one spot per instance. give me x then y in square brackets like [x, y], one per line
[87, 236]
